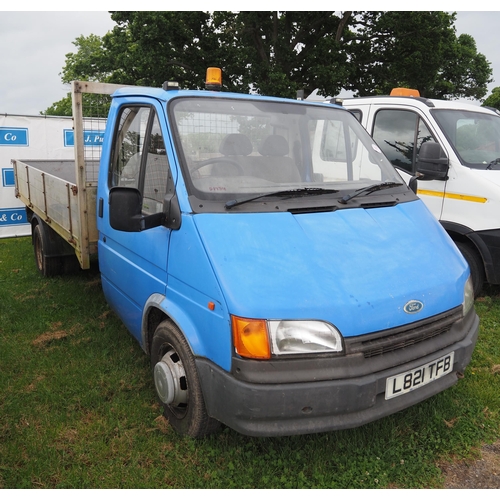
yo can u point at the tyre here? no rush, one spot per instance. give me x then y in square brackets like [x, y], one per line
[47, 266]
[70, 264]
[177, 383]
[476, 266]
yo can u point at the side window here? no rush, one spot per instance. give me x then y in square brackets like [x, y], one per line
[357, 114]
[156, 171]
[338, 154]
[333, 142]
[129, 147]
[397, 132]
[140, 158]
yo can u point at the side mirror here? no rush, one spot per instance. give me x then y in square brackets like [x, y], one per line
[125, 211]
[432, 162]
[413, 183]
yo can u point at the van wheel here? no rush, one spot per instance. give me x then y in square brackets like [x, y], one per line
[47, 266]
[177, 383]
[476, 266]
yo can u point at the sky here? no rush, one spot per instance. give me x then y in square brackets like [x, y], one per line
[33, 46]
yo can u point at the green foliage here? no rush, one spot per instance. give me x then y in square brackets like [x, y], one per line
[60, 108]
[418, 50]
[493, 100]
[78, 408]
[279, 53]
[469, 74]
[89, 63]
[150, 47]
[94, 105]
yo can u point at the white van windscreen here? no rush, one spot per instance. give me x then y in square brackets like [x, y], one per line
[474, 136]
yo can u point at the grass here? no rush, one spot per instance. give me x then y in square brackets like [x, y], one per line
[78, 408]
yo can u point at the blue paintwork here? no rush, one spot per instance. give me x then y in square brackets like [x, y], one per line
[355, 268]
[133, 265]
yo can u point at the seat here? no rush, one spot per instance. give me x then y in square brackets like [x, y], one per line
[275, 165]
[235, 148]
[235, 145]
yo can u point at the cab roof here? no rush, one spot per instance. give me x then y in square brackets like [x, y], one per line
[166, 95]
[418, 102]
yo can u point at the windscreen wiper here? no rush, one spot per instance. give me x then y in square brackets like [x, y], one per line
[491, 163]
[289, 193]
[369, 189]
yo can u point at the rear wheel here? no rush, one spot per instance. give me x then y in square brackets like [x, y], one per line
[48, 266]
[476, 266]
[177, 383]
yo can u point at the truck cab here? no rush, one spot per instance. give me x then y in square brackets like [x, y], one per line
[454, 149]
[275, 267]
[268, 258]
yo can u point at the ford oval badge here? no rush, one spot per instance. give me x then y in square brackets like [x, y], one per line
[413, 307]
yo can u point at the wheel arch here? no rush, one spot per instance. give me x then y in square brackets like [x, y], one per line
[207, 329]
[55, 245]
[34, 221]
[466, 235]
[159, 309]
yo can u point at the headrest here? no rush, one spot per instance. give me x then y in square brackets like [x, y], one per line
[235, 144]
[274, 145]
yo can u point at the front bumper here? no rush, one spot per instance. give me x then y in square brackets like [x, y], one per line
[279, 408]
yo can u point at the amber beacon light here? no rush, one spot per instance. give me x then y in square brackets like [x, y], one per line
[213, 81]
[405, 92]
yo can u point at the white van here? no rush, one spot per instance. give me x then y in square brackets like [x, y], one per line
[453, 148]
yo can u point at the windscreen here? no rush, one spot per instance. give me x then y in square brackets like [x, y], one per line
[474, 136]
[234, 147]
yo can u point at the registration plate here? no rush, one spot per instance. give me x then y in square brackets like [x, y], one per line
[418, 377]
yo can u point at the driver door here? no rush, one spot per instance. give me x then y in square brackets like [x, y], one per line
[133, 265]
[400, 133]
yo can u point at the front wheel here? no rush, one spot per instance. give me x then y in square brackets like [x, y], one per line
[177, 383]
[476, 266]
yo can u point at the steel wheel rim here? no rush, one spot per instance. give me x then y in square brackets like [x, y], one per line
[38, 250]
[171, 381]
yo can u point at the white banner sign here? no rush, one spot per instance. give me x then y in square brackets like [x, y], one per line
[27, 138]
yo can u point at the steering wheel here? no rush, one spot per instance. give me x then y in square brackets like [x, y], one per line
[222, 159]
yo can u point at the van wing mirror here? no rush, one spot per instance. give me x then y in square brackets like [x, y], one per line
[125, 211]
[413, 183]
[432, 162]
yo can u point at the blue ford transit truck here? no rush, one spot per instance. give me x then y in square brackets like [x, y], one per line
[278, 271]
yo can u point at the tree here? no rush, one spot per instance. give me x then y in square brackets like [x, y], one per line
[88, 63]
[278, 53]
[60, 108]
[418, 50]
[148, 48]
[467, 75]
[265, 52]
[493, 100]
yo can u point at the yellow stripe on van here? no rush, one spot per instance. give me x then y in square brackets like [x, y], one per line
[453, 196]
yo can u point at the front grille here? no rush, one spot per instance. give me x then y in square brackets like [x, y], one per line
[386, 341]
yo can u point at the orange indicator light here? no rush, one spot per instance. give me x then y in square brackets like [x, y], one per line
[250, 338]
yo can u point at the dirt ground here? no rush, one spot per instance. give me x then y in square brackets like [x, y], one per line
[483, 473]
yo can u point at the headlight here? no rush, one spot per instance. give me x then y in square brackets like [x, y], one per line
[303, 337]
[468, 296]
